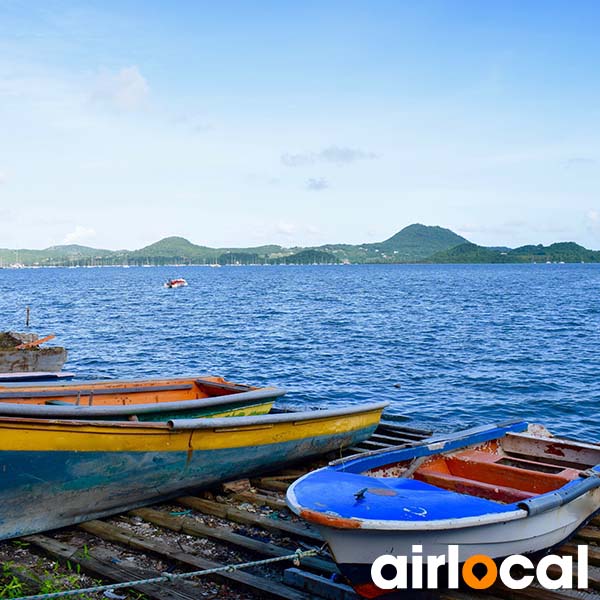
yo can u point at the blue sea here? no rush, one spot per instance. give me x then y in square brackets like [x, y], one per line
[449, 346]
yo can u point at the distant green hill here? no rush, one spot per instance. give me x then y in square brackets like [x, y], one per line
[568, 252]
[469, 253]
[558, 252]
[418, 242]
[171, 249]
[415, 243]
[64, 255]
[75, 250]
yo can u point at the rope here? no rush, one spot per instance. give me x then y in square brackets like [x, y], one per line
[168, 577]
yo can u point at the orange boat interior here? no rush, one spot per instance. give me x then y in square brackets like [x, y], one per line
[512, 469]
[122, 393]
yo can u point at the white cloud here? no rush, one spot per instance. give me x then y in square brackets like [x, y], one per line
[316, 185]
[124, 90]
[286, 228]
[79, 235]
[592, 221]
[291, 231]
[332, 154]
[580, 161]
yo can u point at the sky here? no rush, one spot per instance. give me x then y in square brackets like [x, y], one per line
[245, 123]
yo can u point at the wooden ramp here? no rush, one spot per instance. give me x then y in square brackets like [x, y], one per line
[239, 522]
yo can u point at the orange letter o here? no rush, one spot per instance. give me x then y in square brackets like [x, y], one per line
[487, 580]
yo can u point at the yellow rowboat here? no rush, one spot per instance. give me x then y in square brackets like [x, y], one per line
[143, 400]
[59, 472]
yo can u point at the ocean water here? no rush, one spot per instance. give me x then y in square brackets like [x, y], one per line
[449, 346]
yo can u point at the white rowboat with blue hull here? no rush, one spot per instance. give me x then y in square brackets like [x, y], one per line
[497, 490]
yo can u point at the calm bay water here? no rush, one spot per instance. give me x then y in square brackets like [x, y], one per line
[465, 344]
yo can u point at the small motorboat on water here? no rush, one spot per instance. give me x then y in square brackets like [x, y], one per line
[60, 472]
[496, 491]
[176, 283]
[141, 400]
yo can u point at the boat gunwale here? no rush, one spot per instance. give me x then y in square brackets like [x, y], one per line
[336, 522]
[274, 419]
[105, 382]
[200, 423]
[433, 445]
[74, 411]
[50, 386]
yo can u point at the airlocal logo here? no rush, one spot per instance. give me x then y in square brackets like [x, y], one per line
[411, 575]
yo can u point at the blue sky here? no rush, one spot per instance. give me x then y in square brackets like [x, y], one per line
[242, 123]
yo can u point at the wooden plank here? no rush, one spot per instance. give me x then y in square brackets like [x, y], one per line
[260, 500]
[269, 483]
[94, 563]
[285, 477]
[392, 441]
[34, 343]
[237, 487]
[408, 440]
[403, 430]
[589, 534]
[295, 471]
[371, 444]
[593, 552]
[184, 555]
[317, 585]
[356, 450]
[225, 511]
[226, 535]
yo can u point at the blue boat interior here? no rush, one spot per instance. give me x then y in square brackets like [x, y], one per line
[489, 470]
[349, 495]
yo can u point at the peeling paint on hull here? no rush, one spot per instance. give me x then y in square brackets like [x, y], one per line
[46, 489]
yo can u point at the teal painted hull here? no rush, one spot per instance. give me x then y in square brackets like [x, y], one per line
[43, 490]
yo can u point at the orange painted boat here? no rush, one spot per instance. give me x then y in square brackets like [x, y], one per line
[142, 400]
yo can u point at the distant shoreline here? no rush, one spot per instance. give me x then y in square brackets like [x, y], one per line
[373, 264]
[415, 244]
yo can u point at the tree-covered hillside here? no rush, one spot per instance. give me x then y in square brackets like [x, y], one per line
[415, 243]
[567, 252]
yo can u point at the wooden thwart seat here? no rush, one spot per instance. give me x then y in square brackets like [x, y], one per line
[494, 476]
[461, 485]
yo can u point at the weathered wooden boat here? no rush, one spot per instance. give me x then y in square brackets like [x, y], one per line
[143, 400]
[58, 472]
[497, 490]
[21, 352]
